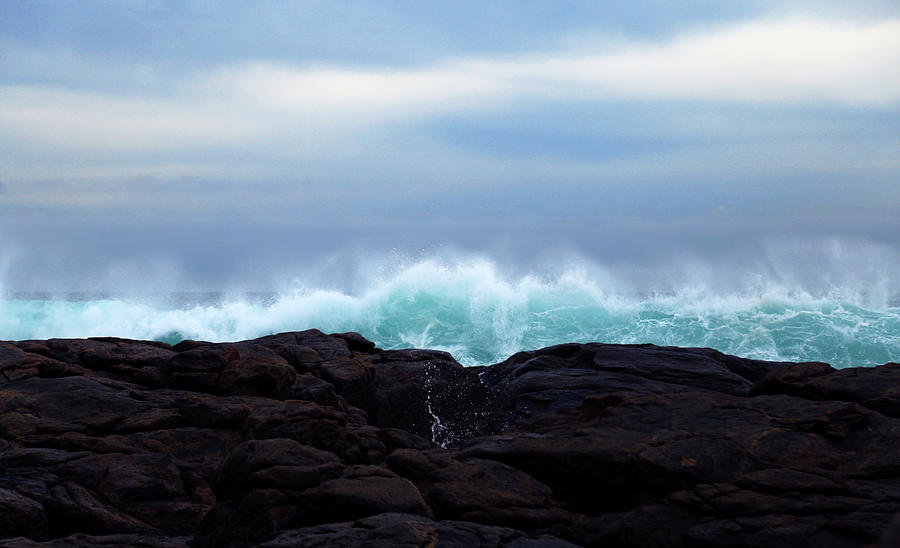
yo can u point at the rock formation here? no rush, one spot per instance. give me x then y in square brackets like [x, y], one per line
[307, 439]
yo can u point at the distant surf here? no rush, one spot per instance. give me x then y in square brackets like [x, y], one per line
[472, 310]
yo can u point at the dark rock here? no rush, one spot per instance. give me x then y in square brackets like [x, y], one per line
[877, 388]
[412, 531]
[357, 342]
[89, 541]
[310, 387]
[20, 515]
[304, 438]
[358, 494]
[473, 490]
[134, 361]
[420, 393]
[17, 364]
[315, 425]
[891, 536]
[232, 369]
[282, 462]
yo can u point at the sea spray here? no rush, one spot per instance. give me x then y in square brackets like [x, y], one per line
[439, 432]
[472, 310]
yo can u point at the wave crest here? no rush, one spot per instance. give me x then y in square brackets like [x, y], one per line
[471, 309]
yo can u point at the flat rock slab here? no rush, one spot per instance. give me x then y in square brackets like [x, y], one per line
[308, 439]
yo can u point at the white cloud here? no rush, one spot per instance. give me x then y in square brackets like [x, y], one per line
[312, 112]
[804, 61]
[795, 62]
[377, 92]
[89, 121]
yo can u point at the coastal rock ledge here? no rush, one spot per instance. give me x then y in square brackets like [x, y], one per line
[308, 439]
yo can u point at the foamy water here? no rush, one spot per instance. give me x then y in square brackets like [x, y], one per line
[471, 309]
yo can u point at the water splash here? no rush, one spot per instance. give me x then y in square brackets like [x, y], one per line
[440, 433]
[472, 310]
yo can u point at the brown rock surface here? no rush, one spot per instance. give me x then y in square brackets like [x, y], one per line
[303, 439]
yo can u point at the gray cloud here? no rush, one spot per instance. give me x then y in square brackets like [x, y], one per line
[645, 133]
[273, 137]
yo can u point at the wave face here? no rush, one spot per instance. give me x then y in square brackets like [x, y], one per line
[480, 316]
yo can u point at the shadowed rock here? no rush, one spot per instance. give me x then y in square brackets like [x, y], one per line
[304, 438]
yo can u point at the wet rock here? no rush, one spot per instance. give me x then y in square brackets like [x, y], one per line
[304, 438]
[273, 463]
[232, 369]
[98, 541]
[877, 388]
[483, 491]
[20, 515]
[412, 531]
[121, 359]
[420, 392]
[361, 493]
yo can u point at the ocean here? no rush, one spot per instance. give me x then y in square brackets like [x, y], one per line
[482, 314]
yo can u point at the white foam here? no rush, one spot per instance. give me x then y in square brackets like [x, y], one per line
[474, 308]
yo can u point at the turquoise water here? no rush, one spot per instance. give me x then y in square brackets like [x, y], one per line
[482, 317]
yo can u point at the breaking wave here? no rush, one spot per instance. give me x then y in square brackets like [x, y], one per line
[470, 308]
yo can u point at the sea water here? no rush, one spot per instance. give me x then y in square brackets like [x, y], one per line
[480, 315]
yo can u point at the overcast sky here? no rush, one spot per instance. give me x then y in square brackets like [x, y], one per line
[223, 139]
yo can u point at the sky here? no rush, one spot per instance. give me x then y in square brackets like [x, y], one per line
[202, 144]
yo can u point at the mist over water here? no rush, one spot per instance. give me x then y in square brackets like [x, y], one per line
[835, 301]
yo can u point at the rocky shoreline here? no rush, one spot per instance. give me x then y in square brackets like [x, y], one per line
[307, 439]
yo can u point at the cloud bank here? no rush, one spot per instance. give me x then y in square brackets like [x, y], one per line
[252, 139]
[808, 62]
